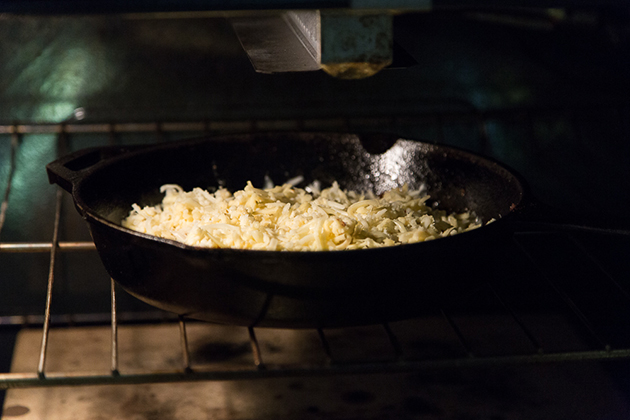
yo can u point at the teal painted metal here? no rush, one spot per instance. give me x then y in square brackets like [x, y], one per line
[356, 37]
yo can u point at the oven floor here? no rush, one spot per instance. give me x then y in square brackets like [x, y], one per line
[567, 390]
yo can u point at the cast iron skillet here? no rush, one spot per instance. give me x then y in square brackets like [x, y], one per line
[290, 289]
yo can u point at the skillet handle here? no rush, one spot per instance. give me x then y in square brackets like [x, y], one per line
[68, 170]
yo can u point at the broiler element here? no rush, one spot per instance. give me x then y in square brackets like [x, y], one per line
[345, 44]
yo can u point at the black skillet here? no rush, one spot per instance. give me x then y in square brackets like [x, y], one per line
[290, 289]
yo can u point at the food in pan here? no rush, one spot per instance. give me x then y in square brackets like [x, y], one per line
[285, 217]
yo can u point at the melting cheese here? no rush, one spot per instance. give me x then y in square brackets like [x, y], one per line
[285, 217]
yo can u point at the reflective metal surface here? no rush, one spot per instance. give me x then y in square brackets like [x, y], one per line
[273, 46]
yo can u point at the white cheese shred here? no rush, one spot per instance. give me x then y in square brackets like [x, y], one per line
[287, 218]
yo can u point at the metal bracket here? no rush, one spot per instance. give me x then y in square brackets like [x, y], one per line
[348, 44]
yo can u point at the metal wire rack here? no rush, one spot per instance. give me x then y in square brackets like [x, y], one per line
[591, 325]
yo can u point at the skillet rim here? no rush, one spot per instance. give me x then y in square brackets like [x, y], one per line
[89, 214]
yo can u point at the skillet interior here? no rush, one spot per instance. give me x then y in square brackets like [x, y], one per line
[455, 179]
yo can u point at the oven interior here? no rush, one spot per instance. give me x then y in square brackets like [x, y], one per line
[544, 332]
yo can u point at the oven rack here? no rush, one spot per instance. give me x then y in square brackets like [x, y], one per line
[259, 369]
[399, 362]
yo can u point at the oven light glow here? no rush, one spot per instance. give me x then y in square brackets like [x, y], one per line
[57, 111]
[70, 77]
[60, 78]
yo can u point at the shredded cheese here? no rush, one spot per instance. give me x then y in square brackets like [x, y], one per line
[285, 217]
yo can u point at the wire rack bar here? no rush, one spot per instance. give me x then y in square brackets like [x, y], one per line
[51, 277]
[258, 362]
[393, 340]
[114, 367]
[61, 148]
[21, 380]
[325, 345]
[601, 268]
[41, 247]
[530, 336]
[85, 319]
[567, 300]
[251, 125]
[458, 333]
[184, 342]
